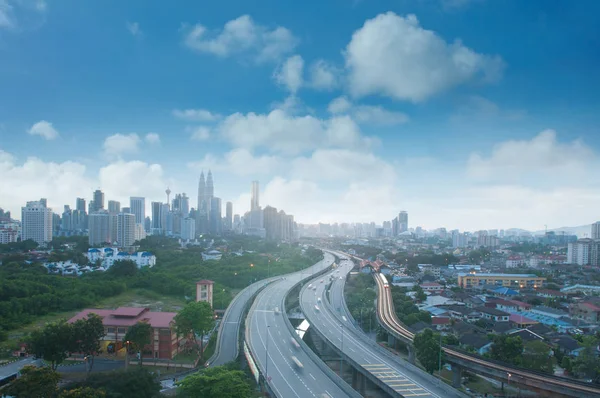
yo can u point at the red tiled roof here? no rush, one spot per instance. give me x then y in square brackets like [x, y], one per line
[520, 319]
[440, 320]
[129, 311]
[591, 306]
[205, 282]
[156, 319]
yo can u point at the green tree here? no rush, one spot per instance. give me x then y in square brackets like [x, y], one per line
[537, 356]
[428, 349]
[196, 319]
[139, 336]
[52, 343]
[88, 333]
[217, 382]
[566, 364]
[420, 296]
[132, 383]
[83, 392]
[508, 349]
[34, 383]
[122, 268]
[587, 363]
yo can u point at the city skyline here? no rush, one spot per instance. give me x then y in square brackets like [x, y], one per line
[506, 138]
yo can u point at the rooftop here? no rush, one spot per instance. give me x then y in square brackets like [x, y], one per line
[499, 275]
[112, 317]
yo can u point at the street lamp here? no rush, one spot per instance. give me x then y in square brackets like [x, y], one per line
[267, 355]
[251, 266]
[342, 355]
[127, 354]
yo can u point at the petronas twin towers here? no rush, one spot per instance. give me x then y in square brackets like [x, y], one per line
[209, 207]
[206, 191]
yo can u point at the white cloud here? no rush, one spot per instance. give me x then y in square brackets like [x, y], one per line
[367, 114]
[121, 179]
[394, 56]
[134, 29]
[196, 115]
[14, 11]
[240, 162]
[41, 6]
[6, 18]
[542, 155]
[118, 144]
[478, 107]
[282, 132]
[199, 133]
[242, 36]
[289, 74]
[324, 76]
[152, 138]
[339, 105]
[43, 129]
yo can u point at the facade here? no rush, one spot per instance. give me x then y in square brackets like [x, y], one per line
[254, 198]
[165, 342]
[204, 291]
[229, 216]
[158, 219]
[137, 205]
[596, 230]
[98, 200]
[114, 206]
[126, 229]
[108, 255]
[188, 229]
[494, 314]
[215, 219]
[36, 222]
[505, 280]
[587, 311]
[140, 232]
[99, 231]
[8, 235]
[584, 252]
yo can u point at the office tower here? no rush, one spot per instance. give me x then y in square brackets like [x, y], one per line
[138, 208]
[80, 204]
[201, 193]
[156, 218]
[98, 200]
[215, 219]
[210, 188]
[583, 252]
[596, 230]
[91, 207]
[36, 222]
[271, 223]
[188, 229]
[55, 224]
[126, 210]
[402, 222]
[66, 221]
[99, 232]
[164, 216]
[254, 200]
[125, 229]
[44, 202]
[147, 225]
[140, 232]
[181, 204]
[112, 227]
[229, 215]
[114, 206]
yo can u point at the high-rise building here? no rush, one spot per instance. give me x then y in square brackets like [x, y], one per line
[112, 227]
[201, 193]
[254, 200]
[403, 222]
[98, 200]
[114, 206]
[140, 231]
[126, 229]
[188, 229]
[164, 219]
[126, 210]
[459, 239]
[36, 222]
[99, 232]
[210, 187]
[181, 204]
[596, 230]
[229, 216]
[66, 221]
[80, 204]
[584, 252]
[205, 195]
[138, 208]
[215, 219]
[271, 223]
[157, 225]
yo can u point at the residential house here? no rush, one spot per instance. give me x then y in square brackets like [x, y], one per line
[463, 313]
[493, 314]
[432, 287]
[212, 255]
[548, 312]
[440, 322]
[502, 305]
[521, 321]
[526, 335]
[478, 342]
[567, 345]
[586, 311]
[548, 293]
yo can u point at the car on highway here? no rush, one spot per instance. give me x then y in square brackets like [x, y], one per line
[294, 343]
[321, 280]
[317, 308]
[297, 362]
[276, 310]
[310, 286]
[318, 299]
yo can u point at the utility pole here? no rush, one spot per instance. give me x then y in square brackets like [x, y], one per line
[267, 356]
[342, 355]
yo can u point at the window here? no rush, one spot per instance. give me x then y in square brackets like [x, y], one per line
[121, 330]
[110, 330]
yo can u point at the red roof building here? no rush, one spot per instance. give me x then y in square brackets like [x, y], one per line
[165, 342]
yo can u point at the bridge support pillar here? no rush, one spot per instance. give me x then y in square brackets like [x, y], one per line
[359, 382]
[456, 376]
[411, 353]
[355, 374]
[391, 341]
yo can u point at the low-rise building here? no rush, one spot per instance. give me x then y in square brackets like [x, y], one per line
[586, 311]
[108, 255]
[493, 314]
[165, 342]
[469, 280]
[212, 255]
[432, 287]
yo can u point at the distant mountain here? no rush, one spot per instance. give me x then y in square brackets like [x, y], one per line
[582, 231]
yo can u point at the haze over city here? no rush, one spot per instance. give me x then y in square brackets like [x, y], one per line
[484, 127]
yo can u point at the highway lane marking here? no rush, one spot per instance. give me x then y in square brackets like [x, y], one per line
[415, 395]
[352, 349]
[312, 376]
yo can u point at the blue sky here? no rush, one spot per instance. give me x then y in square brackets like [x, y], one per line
[466, 113]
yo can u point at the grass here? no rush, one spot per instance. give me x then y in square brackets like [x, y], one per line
[210, 348]
[186, 357]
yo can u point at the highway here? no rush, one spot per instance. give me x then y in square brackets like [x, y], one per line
[229, 329]
[267, 332]
[399, 376]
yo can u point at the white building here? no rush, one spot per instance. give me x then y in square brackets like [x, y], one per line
[36, 222]
[140, 232]
[109, 255]
[125, 229]
[99, 231]
[8, 235]
[515, 261]
[583, 252]
[188, 229]
[212, 255]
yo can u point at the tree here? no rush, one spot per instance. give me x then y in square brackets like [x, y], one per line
[139, 336]
[83, 392]
[132, 383]
[197, 319]
[420, 296]
[428, 349]
[52, 343]
[507, 349]
[587, 364]
[536, 356]
[87, 334]
[34, 383]
[566, 364]
[123, 268]
[217, 382]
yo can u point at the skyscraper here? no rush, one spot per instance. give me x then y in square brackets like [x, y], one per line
[210, 188]
[205, 195]
[99, 232]
[114, 207]
[215, 220]
[98, 200]
[229, 216]
[201, 192]
[403, 222]
[596, 230]
[80, 204]
[126, 229]
[254, 201]
[36, 222]
[188, 229]
[157, 218]
[138, 208]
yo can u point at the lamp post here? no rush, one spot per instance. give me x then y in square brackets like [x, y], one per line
[269, 268]
[267, 355]
[342, 355]
[251, 266]
[126, 354]
[235, 279]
